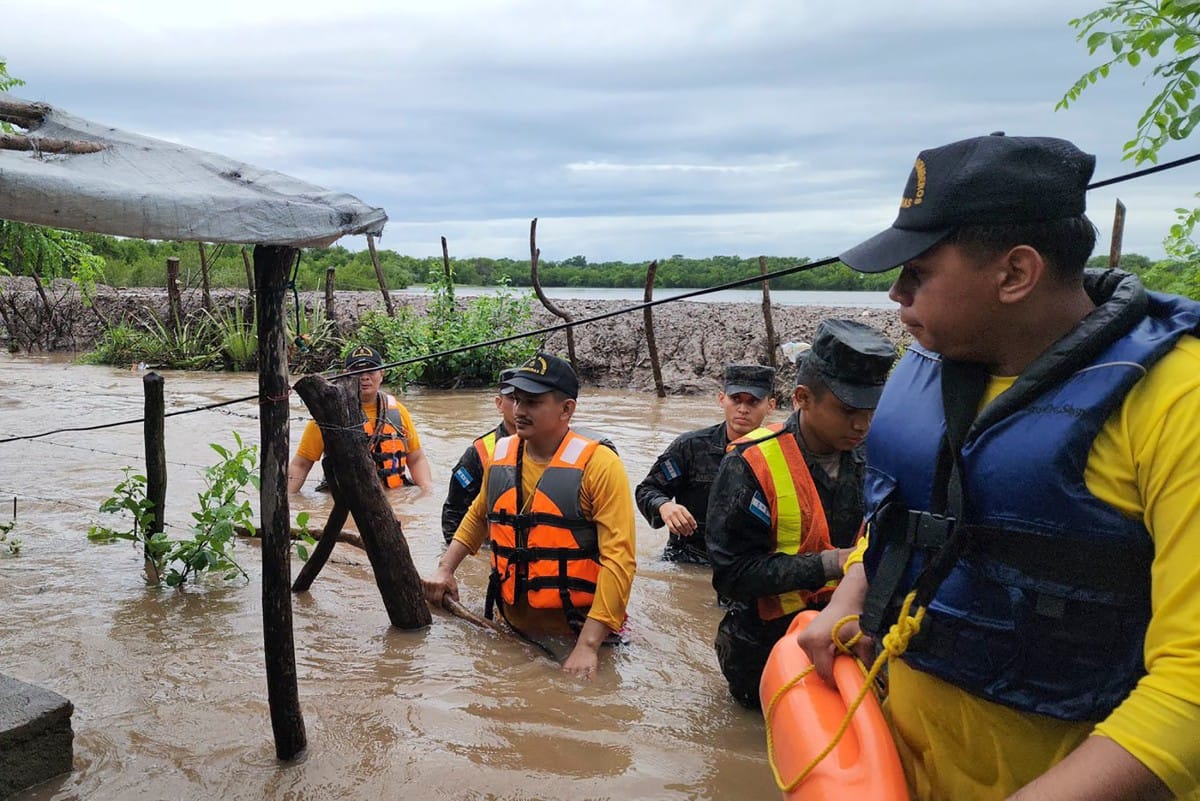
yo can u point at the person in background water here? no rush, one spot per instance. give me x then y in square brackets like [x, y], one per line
[769, 536]
[394, 442]
[1038, 449]
[675, 491]
[558, 510]
[467, 476]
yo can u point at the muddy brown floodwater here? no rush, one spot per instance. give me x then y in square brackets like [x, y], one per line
[169, 686]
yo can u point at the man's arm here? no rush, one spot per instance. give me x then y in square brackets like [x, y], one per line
[662, 483]
[442, 582]
[298, 470]
[1098, 770]
[418, 468]
[465, 480]
[739, 543]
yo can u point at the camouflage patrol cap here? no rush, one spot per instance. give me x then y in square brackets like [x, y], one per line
[854, 359]
[505, 374]
[753, 379]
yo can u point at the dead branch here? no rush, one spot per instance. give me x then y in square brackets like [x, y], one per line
[47, 144]
[534, 253]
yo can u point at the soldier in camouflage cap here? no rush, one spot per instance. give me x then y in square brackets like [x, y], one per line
[787, 501]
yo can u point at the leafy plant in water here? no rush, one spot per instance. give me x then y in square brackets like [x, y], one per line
[304, 538]
[223, 509]
[11, 544]
[236, 336]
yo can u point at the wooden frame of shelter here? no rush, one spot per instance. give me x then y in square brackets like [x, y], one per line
[67, 172]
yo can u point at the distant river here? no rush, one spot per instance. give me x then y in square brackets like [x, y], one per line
[784, 297]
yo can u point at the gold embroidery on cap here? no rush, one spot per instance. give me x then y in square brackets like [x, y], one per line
[919, 195]
[535, 365]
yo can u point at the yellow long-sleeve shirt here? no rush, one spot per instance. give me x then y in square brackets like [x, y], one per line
[605, 500]
[1145, 462]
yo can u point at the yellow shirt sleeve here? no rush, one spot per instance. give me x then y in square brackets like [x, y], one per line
[410, 430]
[606, 500]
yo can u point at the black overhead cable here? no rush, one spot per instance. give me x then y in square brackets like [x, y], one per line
[550, 329]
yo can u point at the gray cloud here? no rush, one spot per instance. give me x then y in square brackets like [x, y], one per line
[632, 130]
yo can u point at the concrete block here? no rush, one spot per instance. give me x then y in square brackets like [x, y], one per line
[35, 735]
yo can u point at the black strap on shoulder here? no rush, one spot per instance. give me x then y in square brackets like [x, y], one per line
[933, 532]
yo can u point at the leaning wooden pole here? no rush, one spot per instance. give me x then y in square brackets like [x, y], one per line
[648, 316]
[271, 266]
[174, 299]
[534, 254]
[320, 554]
[772, 341]
[355, 486]
[1118, 233]
[387, 296]
[156, 453]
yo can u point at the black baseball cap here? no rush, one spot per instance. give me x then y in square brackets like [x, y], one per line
[753, 379]
[363, 356]
[542, 373]
[994, 179]
[854, 360]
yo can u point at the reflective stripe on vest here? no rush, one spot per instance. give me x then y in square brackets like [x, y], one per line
[778, 465]
[547, 554]
[485, 446]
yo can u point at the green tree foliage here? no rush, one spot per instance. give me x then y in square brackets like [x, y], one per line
[450, 324]
[1167, 34]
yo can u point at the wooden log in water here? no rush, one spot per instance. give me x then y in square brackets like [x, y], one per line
[352, 478]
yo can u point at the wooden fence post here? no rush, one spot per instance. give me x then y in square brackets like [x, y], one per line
[206, 294]
[271, 266]
[1118, 234]
[648, 316]
[156, 453]
[249, 270]
[766, 309]
[174, 300]
[330, 311]
[387, 296]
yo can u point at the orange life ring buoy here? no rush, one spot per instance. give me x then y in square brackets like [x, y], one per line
[804, 718]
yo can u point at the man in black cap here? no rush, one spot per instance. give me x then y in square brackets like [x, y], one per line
[769, 535]
[675, 491]
[1031, 492]
[393, 439]
[557, 508]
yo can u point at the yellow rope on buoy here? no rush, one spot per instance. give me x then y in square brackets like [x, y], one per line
[895, 643]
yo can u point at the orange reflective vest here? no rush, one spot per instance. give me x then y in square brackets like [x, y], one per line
[543, 549]
[798, 522]
[389, 441]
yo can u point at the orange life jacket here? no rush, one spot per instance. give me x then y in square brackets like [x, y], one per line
[548, 554]
[389, 441]
[797, 519]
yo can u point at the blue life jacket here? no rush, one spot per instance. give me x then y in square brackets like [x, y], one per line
[1046, 606]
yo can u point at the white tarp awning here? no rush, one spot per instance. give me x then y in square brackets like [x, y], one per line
[146, 188]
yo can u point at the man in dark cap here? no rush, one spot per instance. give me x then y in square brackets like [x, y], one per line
[557, 508]
[394, 442]
[467, 475]
[769, 533]
[675, 491]
[1031, 495]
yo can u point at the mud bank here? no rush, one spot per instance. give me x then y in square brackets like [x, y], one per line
[695, 340]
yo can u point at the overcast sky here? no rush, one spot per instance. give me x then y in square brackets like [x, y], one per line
[632, 130]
